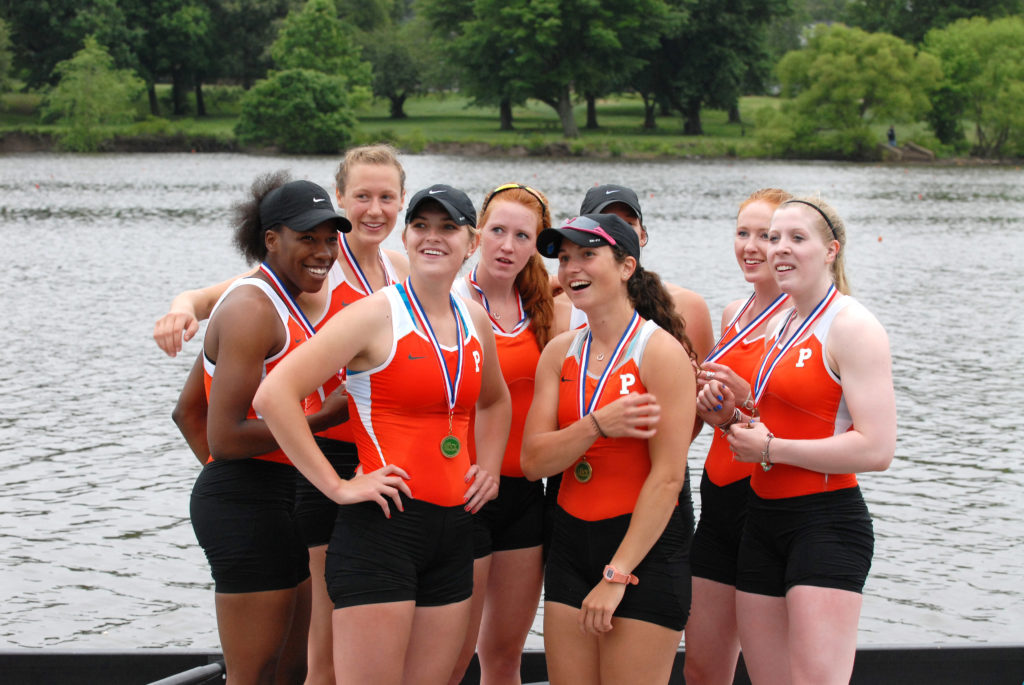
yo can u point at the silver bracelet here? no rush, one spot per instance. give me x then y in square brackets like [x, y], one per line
[766, 461]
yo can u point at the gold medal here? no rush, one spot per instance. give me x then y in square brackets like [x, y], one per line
[583, 471]
[450, 446]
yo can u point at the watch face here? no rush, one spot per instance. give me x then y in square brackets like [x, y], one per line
[609, 574]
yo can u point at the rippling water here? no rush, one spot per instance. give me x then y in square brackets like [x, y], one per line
[96, 549]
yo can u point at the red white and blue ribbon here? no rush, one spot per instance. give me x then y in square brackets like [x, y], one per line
[353, 264]
[723, 345]
[522, 319]
[581, 383]
[289, 301]
[777, 352]
[451, 385]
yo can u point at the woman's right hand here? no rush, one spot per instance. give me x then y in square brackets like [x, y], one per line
[174, 328]
[635, 415]
[715, 403]
[377, 486]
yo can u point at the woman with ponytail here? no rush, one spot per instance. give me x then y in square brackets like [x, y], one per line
[612, 411]
[821, 410]
[511, 283]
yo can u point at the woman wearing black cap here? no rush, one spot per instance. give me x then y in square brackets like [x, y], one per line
[612, 411]
[418, 362]
[241, 504]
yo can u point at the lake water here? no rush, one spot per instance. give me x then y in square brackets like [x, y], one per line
[96, 549]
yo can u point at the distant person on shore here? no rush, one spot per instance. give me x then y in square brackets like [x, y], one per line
[419, 362]
[242, 501]
[612, 412]
[511, 283]
[712, 640]
[891, 135]
[823, 409]
[370, 189]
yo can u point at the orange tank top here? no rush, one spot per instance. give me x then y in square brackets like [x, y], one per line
[517, 355]
[399, 410]
[343, 293]
[619, 465]
[296, 336]
[743, 358]
[804, 401]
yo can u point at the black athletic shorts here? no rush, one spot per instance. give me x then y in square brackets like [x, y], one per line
[242, 516]
[716, 542]
[424, 553]
[581, 549]
[824, 540]
[314, 511]
[514, 520]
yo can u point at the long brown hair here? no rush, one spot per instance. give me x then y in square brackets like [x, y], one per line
[532, 281]
[648, 296]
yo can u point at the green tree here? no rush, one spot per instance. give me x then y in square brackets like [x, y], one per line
[983, 65]
[396, 69]
[314, 38]
[912, 20]
[5, 56]
[90, 96]
[842, 83]
[297, 110]
[245, 61]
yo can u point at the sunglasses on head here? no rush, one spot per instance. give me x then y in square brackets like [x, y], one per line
[516, 186]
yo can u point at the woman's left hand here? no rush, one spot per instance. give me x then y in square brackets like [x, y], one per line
[746, 440]
[483, 487]
[595, 616]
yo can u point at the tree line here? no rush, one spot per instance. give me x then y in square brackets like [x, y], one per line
[841, 65]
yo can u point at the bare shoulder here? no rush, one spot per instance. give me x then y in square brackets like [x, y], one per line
[664, 349]
[730, 311]
[687, 302]
[562, 314]
[400, 261]
[857, 337]
[856, 320]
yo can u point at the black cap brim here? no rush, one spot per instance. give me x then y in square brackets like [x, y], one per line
[312, 218]
[550, 239]
[454, 212]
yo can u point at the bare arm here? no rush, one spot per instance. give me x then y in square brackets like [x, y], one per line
[667, 375]
[548, 450]
[858, 349]
[188, 308]
[189, 413]
[493, 416]
[361, 333]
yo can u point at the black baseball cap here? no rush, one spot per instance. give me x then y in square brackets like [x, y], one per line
[599, 197]
[590, 230]
[301, 206]
[455, 202]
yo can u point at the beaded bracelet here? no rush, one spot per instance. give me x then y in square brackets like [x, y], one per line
[597, 426]
[766, 461]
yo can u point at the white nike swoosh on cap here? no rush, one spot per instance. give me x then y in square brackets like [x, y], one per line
[435, 192]
[609, 192]
[319, 199]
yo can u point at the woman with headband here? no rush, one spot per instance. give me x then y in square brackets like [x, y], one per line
[511, 283]
[419, 362]
[612, 411]
[821, 410]
[712, 641]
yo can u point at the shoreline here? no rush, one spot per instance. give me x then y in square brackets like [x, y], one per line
[21, 142]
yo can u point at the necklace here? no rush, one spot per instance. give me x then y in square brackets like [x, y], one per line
[600, 356]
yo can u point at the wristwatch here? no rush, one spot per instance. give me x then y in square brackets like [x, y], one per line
[614, 575]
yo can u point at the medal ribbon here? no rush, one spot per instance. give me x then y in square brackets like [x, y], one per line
[357, 270]
[581, 383]
[451, 386]
[723, 345]
[522, 321]
[289, 301]
[774, 355]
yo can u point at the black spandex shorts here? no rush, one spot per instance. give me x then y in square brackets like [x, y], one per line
[824, 540]
[315, 512]
[242, 516]
[424, 553]
[515, 520]
[581, 549]
[716, 542]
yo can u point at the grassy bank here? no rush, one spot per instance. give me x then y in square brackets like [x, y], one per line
[440, 122]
